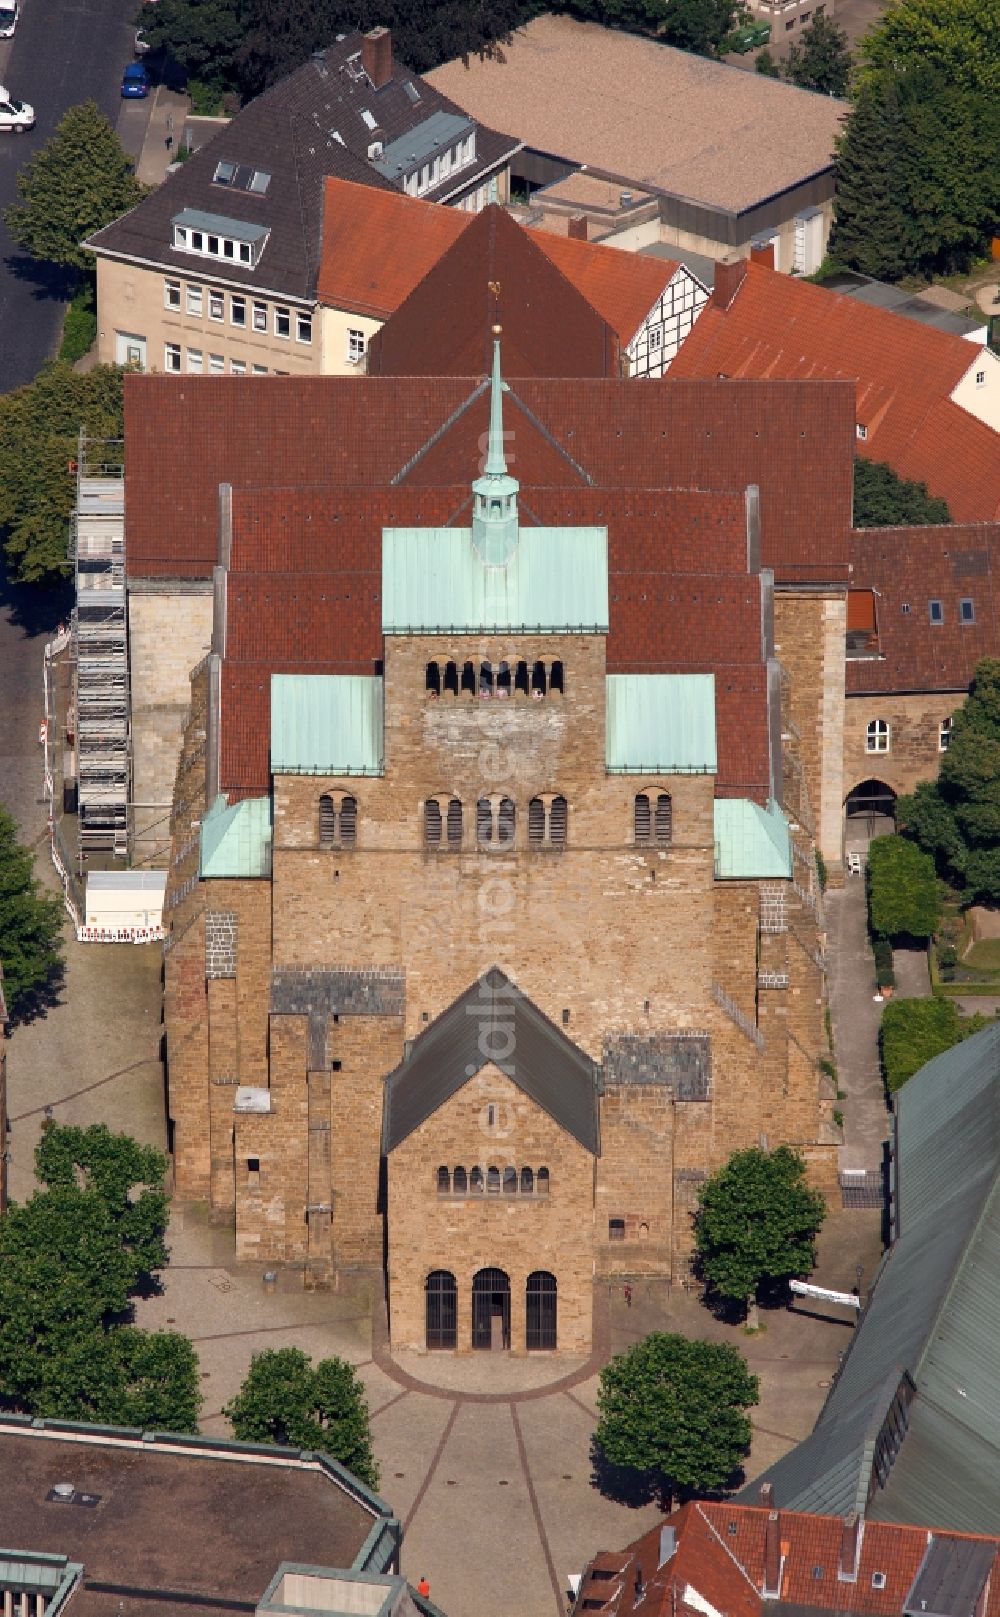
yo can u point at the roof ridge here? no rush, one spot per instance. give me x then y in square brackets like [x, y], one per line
[723, 1545]
[439, 433]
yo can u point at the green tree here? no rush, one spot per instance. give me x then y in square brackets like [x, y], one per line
[39, 428]
[870, 225]
[914, 1031]
[957, 817]
[156, 1380]
[285, 1398]
[126, 1175]
[702, 26]
[203, 36]
[903, 897]
[30, 929]
[674, 1411]
[757, 1223]
[884, 500]
[766, 64]
[960, 37]
[78, 181]
[821, 59]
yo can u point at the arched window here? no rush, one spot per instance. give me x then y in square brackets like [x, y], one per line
[442, 1309]
[484, 820]
[493, 1181]
[459, 1182]
[443, 1182]
[451, 679]
[538, 679]
[348, 822]
[540, 1311]
[505, 822]
[476, 1182]
[432, 823]
[542, 1181]
[510, 1181]
[877, 736]
[455, 823]
[642, 819]
[327, 821]
[503, 679]
[486, 679]
[527, 1181]
[556, 681]
[664, 820]
[536, 822]
[491, 1309]
[558, 816]
[468, 678]
[432, 680]
[521, 678]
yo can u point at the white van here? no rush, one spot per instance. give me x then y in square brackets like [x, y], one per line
[15, 115]
[9, 12]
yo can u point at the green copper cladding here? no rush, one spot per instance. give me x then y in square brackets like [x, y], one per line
[750, 841]
[496, 460]
[494, 494]
[236, 838]
[660, 724]
[326, 724]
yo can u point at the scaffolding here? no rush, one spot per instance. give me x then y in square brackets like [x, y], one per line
[99, 724]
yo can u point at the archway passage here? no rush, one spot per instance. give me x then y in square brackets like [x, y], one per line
[442, 1313]
[871, 797]
[491, 1310]
[540, 1310]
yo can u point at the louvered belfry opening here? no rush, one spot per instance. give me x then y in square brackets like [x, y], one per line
[558, 821]
[327, 821]
[433, 679]
[484, 820]
[664, 819]
[454, 823]
[536, 822]
[505, 822]
[348, 822]
[432, 823]
[643, 819]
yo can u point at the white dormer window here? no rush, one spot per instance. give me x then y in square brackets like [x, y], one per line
[862, 432]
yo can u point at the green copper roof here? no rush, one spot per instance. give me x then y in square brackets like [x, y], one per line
[236, 838]
[326, 724]
[435, 579]
[750, 841]
[661, 724]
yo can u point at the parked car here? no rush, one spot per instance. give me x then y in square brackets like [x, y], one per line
[135, 82]
[750, 37]
[9, 10]
[14, 114]
[141, 42]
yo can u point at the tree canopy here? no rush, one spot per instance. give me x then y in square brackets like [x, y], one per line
[960, 37]
[903, 897]
[914, 1031]
[956, 818]
[674, 1411]
[884, 500]
[39, 429]
[820, 59]
[30, 928]
[285, 1398]
[71, 1259]
[757, 1222]
[78, 181]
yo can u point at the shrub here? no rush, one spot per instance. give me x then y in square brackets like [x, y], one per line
[914, 1031]
[884, 975]
[902, 889]
[80, 328]
[821, 871]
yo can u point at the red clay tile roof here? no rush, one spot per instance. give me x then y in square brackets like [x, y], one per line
[378, 245]
[185, 436]
[719, 1555]
[907, 568]
[621, 286]
[779, 327]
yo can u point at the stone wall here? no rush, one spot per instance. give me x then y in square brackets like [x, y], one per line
[810, 629]
[169, 630]
[516, 1233]
[914, 738]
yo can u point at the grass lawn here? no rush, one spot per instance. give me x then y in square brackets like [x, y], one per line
[984, 955]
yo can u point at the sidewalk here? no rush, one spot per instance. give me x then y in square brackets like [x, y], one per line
[856, 1017]
[167, 113]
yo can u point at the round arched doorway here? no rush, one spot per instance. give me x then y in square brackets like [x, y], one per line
[869, 812]
[491, 1310]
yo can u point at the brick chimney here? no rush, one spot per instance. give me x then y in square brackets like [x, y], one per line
[772, 1555]
[850, 1548]
[762, 252]
[767, 1495]
[376, 56]
[729, 274]
[578, 227]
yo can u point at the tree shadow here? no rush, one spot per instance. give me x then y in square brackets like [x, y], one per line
[34, 608]
[620, 1483]
[35, 1005]
[52, 281]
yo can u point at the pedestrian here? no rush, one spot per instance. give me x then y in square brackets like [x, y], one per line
[628, 1294]
[423, 1588]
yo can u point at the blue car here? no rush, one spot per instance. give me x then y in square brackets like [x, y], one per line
[135, 82]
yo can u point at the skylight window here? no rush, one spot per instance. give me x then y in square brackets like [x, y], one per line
[259, 182]
[411, 90]
[369, 119]
[241, 177]
[224, 173]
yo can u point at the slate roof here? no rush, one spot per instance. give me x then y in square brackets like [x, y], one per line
[718, 1557]
[934, 1317]
[778, 326]
[547, 1066]
[288, 132]
[644, 112]
[907, 568]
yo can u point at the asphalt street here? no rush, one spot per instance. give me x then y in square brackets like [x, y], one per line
[63, 52]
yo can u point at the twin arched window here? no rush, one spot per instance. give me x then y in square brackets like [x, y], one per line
[547, 822]
[495, 821]
[443, 829]
[653, 819]
[338, 820]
